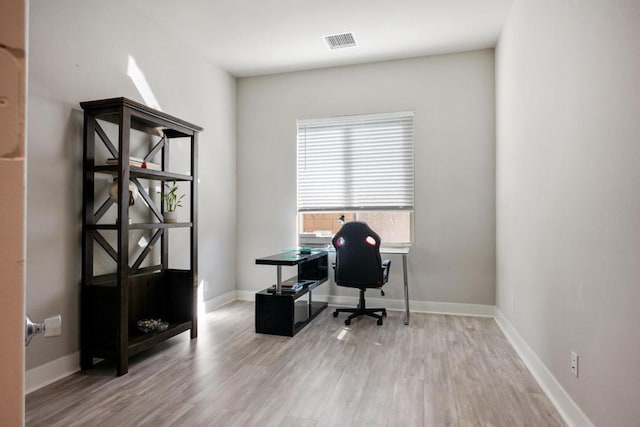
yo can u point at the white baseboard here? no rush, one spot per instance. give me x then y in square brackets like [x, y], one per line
[398, 304]
[416, 306]
[213, 303]
[48, 373]
[458, 309]
[568, 409]
[246, 295]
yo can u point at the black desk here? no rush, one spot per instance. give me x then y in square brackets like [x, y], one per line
[280, 312]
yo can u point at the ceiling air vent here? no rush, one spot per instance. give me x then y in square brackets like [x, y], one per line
[337, 41]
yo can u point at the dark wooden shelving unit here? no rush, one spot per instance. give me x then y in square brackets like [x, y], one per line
[111, 304]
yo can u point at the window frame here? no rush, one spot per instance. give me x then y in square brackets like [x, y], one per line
[402, 132]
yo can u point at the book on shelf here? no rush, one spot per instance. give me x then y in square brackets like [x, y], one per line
[137, 162]
[151, 166]
[133, 161]
[272, 290]
[288, 287]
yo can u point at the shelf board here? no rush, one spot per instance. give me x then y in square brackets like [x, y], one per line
[109, 280]
[143, 118]
[160, 225]
[141, 226]
[138, 343]
[143, 173]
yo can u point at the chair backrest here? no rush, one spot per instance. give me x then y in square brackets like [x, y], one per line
[358, 262]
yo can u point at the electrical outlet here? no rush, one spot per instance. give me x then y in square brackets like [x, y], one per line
[574, 363]
[204, 286]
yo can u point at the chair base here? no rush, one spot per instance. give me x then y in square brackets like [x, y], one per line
[361, 310]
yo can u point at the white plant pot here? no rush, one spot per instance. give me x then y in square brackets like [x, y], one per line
[170, 217]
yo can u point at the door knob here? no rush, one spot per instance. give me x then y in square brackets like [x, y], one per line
[49, 328]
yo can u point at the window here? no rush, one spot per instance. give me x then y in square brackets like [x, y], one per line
[358, 166]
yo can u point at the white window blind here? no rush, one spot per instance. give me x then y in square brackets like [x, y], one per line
[356, 163]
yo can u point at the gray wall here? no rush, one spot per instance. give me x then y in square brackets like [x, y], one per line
[79, 51]
[453, 259]
[568, 199]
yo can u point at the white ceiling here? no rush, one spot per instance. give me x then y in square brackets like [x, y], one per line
[253, 37]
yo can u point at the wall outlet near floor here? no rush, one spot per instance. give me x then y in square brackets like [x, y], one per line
[204, 286]
[574, 363]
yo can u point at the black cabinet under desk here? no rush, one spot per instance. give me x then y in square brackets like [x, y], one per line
[287, 312]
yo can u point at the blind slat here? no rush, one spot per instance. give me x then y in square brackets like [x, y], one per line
[356, 162]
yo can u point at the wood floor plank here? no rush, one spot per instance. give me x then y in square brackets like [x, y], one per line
[408, 403]
[376, 402]
[343, 403]
[297, 422]
[438, 371]
[438, 408]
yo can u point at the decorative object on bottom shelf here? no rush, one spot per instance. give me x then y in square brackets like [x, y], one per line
[172, 201]
[148, 325]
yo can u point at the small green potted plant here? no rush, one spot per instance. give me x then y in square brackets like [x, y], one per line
[172, 200]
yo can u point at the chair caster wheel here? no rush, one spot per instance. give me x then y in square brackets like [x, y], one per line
[335, 314]
[379, 321]
[347, 322]
[384, 313]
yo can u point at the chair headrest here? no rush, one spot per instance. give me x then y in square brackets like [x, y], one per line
[357, 233]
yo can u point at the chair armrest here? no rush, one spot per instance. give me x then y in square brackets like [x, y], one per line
[386, 266]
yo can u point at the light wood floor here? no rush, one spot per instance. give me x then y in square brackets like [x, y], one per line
[438, 371]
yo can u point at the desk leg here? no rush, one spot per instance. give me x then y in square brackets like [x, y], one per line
[279, 279]
[406, 289]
